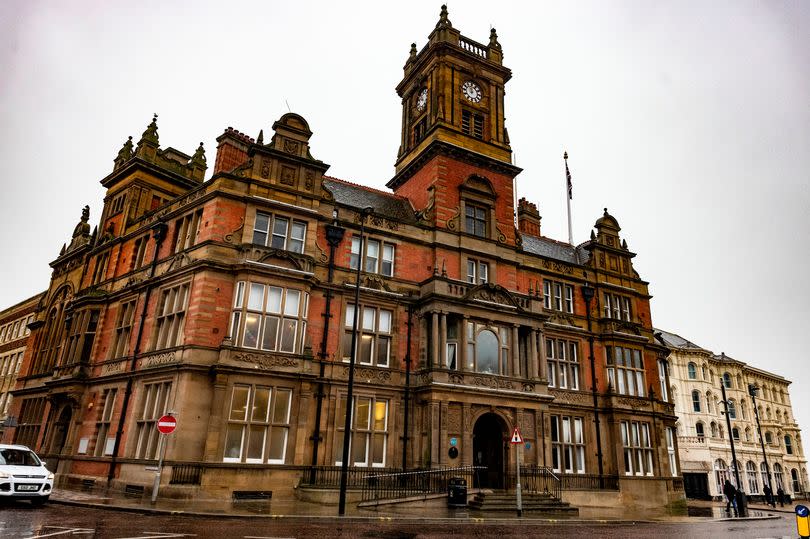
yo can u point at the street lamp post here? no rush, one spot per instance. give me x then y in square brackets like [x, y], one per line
[588, 292]
[752, 390]
[741, 502]
[347, 425]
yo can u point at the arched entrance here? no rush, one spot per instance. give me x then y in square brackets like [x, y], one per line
[488, 450]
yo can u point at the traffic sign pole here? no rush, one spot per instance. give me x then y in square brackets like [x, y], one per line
[517, 441]
[165, 426]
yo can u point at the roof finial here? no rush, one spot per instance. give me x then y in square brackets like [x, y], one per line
[199, 155]
[412, 54]
[260, 138]
[493, 39]
[443, 20]
[124, 154]
[151, 133]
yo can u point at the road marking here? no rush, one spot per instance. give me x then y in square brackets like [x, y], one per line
[265, 537]
[160, 535]
[63, 532]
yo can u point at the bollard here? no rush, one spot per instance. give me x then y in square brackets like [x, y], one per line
[803, 521]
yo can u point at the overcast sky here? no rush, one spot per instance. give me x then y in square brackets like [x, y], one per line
[689, 121]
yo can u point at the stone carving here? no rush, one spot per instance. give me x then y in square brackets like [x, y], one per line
[631, 402]
[501, 235]
[557, 266]
[287, 175]
[452, 223]
[309, 176]
[562, 320]
[265, 170]
[492, 293]
[570, 397]
[454, 419]
[624, 327]
[291, 146]
[427, 213]
[456, 378]
[528, 387]
[371, 375]
[492, 382]
[113, 368]
[159, 359]
[229, 237]
[265, 361]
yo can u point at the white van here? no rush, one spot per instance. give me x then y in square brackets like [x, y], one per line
[23, 475]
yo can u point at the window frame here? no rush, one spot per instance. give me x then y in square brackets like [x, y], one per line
[477, 271]
[369, 331]
[381, 264]
[153, 404]
[267, 426]
[368, 429]
[286, 240]
[170, 316]
[637, 448]
[561, 366]
[619, 371]
[274, 313]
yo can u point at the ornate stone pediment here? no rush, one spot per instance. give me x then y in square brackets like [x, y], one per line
[265, 362]
[278, 257]
[492, 293]
[562, 320]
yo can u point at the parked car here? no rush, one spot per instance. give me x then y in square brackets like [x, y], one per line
[23, 475]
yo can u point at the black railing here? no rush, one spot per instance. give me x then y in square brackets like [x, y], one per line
[186, 474]
[581, 481]
[539, 479]
[329, 476]
[388, 486]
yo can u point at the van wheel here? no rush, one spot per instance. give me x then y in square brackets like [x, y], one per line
[39, 501]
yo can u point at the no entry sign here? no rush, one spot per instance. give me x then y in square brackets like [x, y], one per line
[166, 424]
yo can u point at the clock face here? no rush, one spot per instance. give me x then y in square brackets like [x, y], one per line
[421, 100]
[471, 91]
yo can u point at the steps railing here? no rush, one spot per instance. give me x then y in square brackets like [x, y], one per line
[539, 479]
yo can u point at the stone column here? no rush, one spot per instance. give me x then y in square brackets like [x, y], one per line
[467, 457]
[443, 411]
[542, 356]
[215, 422]
[443, 340]
[434, 433]
[434, 332]
[462, 344]
[532, 353]
[515, 352]
[302, 442]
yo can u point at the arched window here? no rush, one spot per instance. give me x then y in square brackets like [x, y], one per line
[788, 445]
[732, 409]
[763, 471]
[486, 352]
[727, 380]
[768, 413]
[777, 477]
[713, 429]
[487, 349]
[699, 431]
[692, 371]
[696, 400]
[751, 475]
[720, 474]
[794, 477]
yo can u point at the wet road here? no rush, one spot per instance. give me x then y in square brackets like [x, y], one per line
[19, 520]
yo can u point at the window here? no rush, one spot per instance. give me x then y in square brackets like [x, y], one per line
[171, 314]
[743, 410]
[709, 402]
[279, 232]
[662, 378]
[475, 220]
[692, 371]
[32, 412]
[751, 476]
[562, 359]
[472, 124]
[696, 401]
[732, 409]
[118, 204]
[558, 296]
[625, 370]
[567, 445]
[777, 477]
[100, 271]
[419, 129]
[379, 256]
[369, 432]
[763, 471]
[637, 448]
[700, 432]
[768, 438]
[373, 335]
[673, 462]
[104, 443]
[788, 445]
[727, 380]
[720, 473]
[258, 425]
[735, 433]
[153, 405]
[138, 253]
[270, 318]
[186, 230]
[617, 307]
[477, 271]
[794, 476]
[713, 428]
[487, 348]
[81, 335]
[123, 329]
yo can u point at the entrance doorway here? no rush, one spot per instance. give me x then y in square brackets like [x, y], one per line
[489, 445]
[60, 431]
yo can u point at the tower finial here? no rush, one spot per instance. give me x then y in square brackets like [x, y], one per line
[443, 20]
[199, 155]
[124, 154]
[493, 39]
[412, 55]
[151, 133]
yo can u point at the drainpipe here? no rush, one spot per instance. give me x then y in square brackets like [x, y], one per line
[159, 230]
[334, 235]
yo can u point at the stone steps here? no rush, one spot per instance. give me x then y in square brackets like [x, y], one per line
[530, 502]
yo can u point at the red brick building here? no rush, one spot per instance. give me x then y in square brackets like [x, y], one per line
[230, 302]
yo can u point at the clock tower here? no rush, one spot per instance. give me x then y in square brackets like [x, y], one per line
[454, 161]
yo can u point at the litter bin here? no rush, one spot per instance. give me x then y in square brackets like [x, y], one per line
[457, 492]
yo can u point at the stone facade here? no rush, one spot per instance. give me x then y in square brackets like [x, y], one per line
[230, 303]
[696, 375]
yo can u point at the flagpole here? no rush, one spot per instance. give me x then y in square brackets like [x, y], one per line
[568, 188]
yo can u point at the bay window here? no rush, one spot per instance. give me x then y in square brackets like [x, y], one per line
[269, 317]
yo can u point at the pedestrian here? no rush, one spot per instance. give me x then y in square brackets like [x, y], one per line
[781, 495]
[769, 496]
[731, 496]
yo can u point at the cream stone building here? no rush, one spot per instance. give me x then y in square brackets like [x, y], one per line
[695, 376]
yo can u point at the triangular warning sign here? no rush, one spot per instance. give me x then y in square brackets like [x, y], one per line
[516, 437]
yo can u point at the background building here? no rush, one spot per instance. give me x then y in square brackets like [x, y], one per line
[14, 334]
[230, 303]
[705, 452]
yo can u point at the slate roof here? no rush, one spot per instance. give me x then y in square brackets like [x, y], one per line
[673, 340]
[556, 250]
[388, 205]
